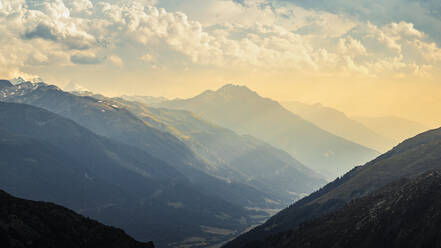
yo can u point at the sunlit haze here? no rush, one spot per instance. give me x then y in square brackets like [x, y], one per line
[368, 58]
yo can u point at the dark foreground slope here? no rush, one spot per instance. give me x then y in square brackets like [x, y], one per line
[403, 214]
[25, 223]
[410, 158]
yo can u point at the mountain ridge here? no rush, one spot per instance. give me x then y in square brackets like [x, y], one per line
[341, 125]
[410, 158]
[5, 84]
[246, 112]
[404, 213]
[25, 223]
[395, 128]
[48, 157]
[107, 119]
[232, 156]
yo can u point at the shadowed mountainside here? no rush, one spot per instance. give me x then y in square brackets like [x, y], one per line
[4, 84]
[412, 157]
[47, 157]
[406, 213]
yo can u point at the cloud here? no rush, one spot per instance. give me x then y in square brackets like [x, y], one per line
[116, 60]
[54, 9]
[86, 59]
[41, 31]
[80, 7]
[423, 14]
[148, 58]
[351, 47]
[74, 86]
[223, 34]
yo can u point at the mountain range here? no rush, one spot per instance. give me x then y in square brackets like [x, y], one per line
[149, 100]
[198, 172]
[51, 158]
[338, 123]
[227, 155]
[244, 111]
[173, 156]
[25, 223]
[115, 122]
[409, 159]
[392, 127]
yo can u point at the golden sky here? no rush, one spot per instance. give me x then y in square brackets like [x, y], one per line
[365, 57]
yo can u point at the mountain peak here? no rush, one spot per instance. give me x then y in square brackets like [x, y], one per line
[229, 91]
[37, 80]
[5, 84]
[230, 87]
[10, 90]
[17, 80]
[233, 90]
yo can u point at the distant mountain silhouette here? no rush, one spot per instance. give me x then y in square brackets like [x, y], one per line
[47, 157]
[338, 123]
[394, 128]
[411, 158]
[244, 111]
[25, 223]
[231, 156]
[149, 100]
[406, 213]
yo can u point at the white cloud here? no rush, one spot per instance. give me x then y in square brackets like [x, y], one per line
[86, 59]
[79, 7]
[54, 9]
[148, 58]
[351, 47]
[116, 60]
[403, 30]
[221, 33]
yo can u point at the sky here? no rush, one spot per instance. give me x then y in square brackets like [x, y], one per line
[366, 57]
